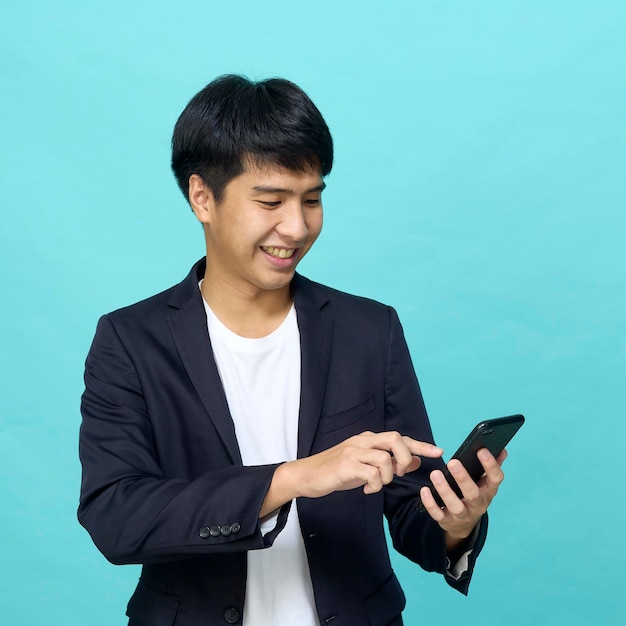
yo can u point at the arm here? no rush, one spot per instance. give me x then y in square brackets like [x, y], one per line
[135, 511]
[435, 537]
[369, 460]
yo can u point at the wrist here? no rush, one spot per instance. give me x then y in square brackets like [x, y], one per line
[287, 480]
[282, 489]
[455, 540]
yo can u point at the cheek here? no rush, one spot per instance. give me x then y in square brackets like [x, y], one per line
[314, 225]
[251, 231]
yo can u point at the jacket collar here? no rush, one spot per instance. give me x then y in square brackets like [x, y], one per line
[188, 325]
[316, 326]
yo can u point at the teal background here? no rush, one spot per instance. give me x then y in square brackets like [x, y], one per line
[478, 187]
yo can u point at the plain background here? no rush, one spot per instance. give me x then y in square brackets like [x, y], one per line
[479, 188]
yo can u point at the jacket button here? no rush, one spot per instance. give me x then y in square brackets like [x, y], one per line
[225, 530]
[235, 528]
[204, 532]
[214, 531]
[231, 615]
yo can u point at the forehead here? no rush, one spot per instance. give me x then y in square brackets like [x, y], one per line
[276, 176]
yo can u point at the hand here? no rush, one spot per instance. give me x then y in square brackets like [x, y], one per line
[369, 460]
[460, 516]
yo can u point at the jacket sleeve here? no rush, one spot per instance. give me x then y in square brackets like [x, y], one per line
[133, 512]
[414, 533]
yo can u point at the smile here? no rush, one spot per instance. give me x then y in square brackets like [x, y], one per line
[281, 253]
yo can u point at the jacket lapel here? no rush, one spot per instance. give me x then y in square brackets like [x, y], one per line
[316, 334]
[188, 324]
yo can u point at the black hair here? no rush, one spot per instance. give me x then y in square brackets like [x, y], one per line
[234, 120]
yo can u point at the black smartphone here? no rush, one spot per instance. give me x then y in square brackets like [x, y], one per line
[492, 434]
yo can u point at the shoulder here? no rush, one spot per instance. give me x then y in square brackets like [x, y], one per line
[146, 307]
[155, 309]
[345, 308]
[323, 294]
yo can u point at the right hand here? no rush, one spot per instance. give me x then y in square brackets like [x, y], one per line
[369, 460]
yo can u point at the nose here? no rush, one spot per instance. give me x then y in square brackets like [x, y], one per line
[293, 225]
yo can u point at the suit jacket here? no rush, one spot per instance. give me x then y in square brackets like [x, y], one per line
[163, 482]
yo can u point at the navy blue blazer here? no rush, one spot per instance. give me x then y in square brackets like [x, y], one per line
[163, 482]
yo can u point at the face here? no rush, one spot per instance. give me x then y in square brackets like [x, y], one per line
[267, 220]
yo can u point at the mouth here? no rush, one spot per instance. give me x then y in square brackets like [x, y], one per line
[280, 253]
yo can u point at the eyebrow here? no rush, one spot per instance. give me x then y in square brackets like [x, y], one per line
[270, 189]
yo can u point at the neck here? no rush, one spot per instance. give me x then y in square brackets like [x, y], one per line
[253, 313]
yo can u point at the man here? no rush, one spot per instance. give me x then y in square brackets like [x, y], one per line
[245, 431]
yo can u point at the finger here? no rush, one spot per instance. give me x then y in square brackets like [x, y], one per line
[403, 449]
[413, 465]
[468, 487]
[492, 466]
[376, 467]
[373, 480]
[378, 475]
[385, 440]
[451, 501]
[431, 505]
[385, 466]
[422, 448]
[402, 457]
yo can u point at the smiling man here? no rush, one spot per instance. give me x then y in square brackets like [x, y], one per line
[245, 432]
[266, 221]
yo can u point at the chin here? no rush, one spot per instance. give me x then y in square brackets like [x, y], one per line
[276, 282]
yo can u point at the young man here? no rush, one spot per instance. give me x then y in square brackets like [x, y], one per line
[245, 432]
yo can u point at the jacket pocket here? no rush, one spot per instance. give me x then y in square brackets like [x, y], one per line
[150, 607]
[386, 604]
[328, 423]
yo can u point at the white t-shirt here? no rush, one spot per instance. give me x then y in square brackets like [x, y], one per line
[261, 379]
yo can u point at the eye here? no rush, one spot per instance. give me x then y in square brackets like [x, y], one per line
[269, 204]
[312, 201]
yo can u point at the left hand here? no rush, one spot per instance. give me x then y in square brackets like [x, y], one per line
[460, 516]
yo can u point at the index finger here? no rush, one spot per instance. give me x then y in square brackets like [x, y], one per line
[396, 444]
[422, 448]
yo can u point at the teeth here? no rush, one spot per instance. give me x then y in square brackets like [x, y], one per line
[282, 253]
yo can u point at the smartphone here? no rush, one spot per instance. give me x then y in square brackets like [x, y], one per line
[492, 434]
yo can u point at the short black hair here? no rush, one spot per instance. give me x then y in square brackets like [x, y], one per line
[234, 120]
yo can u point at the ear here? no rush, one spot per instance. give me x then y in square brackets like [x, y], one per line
[201, 199]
